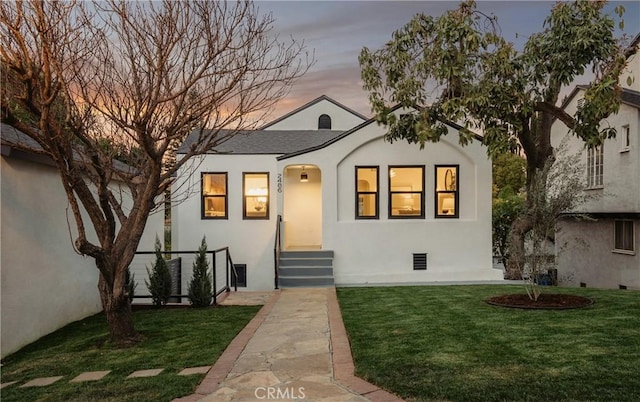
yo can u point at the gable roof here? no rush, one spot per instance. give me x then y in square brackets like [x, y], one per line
[309, 104]
[286, 143]
[627, 96]
[358, 127]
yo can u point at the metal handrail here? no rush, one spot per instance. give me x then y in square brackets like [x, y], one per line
[277, 247]
[230, 270]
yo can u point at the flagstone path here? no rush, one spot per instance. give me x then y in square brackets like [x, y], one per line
[295, 348]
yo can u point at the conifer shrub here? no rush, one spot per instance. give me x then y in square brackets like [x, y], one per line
[159, 283]
[130, 283]
[200, 289]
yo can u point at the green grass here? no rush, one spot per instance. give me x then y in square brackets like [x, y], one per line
[173, 339]
[444, 343]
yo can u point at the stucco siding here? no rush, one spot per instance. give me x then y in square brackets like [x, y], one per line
[585, 255]
[307, 119]
[250, 241]
[45, 284]
[380, 251]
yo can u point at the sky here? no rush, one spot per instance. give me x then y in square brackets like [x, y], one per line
[336, 31]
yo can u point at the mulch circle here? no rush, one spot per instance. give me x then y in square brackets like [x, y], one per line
[544, 302]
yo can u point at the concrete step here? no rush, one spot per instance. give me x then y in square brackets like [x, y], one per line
[306, 271]
[307, 254]
[305, 262]
[313, 268]
[306, 281]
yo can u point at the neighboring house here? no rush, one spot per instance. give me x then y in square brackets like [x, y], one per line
[45, 284]
[375, 212]
[605, 252]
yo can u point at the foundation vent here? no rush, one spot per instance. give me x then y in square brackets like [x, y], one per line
[419, 261]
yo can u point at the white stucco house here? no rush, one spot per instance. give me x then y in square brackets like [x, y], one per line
[45, 284]
[354, 208]
[605, 252]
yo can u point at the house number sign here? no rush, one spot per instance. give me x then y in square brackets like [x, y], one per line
[279, 182]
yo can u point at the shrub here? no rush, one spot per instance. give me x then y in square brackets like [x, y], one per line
[159, 283]
[200, 289]
[130, 283]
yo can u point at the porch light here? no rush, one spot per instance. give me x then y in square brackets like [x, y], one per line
[304, 177]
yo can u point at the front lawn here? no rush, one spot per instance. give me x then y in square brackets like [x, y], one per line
[173, 339]
[445, 343]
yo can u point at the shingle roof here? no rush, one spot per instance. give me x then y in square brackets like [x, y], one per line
[9, 135]
[630, 97]
[627, 96]
[274, 142]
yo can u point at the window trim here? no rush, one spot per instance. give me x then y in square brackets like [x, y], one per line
[626, 138]
[376, 193]
[456, 192]
[617, 250]
[421, 192]
[595, 180]
[225, 196]
[244, 198]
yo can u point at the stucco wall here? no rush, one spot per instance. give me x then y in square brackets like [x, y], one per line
[585, 255]
[621, 188]
[250, 241]
[378, 251]
[307, 119]
[45, 284]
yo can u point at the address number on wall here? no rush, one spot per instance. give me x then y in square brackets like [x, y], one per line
[279, 182]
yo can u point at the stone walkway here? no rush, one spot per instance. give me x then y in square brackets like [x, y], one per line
[295, 348]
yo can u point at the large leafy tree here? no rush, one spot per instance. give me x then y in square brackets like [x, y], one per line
[457, 67]
[95, 82]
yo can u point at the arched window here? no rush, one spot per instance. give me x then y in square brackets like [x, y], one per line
[324, 122]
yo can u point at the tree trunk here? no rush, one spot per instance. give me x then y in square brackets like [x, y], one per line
[521, 226]
[117, 309]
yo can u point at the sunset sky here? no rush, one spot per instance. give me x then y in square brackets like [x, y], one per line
[338, 30]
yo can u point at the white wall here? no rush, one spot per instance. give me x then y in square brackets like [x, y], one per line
[307, 119]
[377, 251]
[633, 67]
[621, 186]
[250, 241]
[585, 249]
[45, 284]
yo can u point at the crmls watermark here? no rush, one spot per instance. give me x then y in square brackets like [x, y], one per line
[273, 393]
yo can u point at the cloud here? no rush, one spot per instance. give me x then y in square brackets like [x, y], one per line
[337, 31]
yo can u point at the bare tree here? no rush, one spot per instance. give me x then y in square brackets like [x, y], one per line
[96, 84]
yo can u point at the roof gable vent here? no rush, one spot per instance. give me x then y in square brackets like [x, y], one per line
[324, 122]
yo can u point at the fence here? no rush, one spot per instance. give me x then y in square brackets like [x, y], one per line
[180, 264]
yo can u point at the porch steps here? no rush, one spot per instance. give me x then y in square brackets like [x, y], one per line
[301, 269]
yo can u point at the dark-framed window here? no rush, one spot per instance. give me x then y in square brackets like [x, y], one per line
[624, 236]
[214, 195]
[406, 192]
[255, 195]
[447, 191]
[324, 122]
[367, 192]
